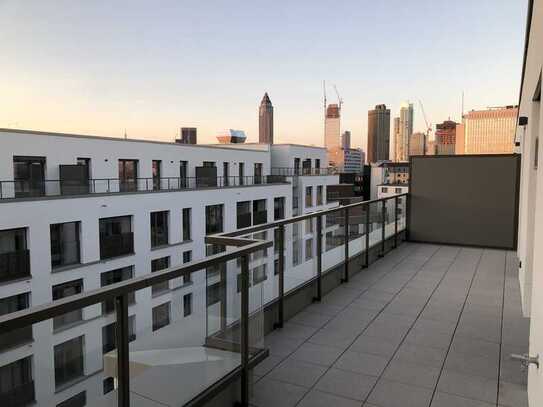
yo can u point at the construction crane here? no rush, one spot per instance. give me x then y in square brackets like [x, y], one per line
[340, 101]
[428, 127]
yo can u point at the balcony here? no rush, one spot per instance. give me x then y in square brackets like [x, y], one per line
[14, 265]
[116, 245]
[371, 317]
[294, 172]
[64, 188]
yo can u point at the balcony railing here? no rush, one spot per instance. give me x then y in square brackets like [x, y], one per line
[234, 328]
[116, 245]
[292, 171]
[14, 265]
[26, 189]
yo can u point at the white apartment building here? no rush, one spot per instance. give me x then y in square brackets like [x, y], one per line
[80, 212]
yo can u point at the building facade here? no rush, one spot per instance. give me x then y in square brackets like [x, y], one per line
[82, 212]
[332, 127]
[404, 132]
[346, 139]
[265, 121]
[378, 134]
[490, 131]
[445, 138]
[417, 146]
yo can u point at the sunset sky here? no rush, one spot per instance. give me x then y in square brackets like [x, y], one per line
[150, 67]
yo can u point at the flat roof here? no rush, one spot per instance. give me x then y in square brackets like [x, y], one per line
[93, 137]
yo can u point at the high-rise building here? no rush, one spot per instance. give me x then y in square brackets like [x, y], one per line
[265, 121]
[417, 144]
[378, 134]
[430, 147]
[332, 127]
[445, 141]
[188, 135]
[346, 140]
[490, 131]
[405, 130]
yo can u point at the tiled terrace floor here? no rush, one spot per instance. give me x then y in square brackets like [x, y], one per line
[425, 326]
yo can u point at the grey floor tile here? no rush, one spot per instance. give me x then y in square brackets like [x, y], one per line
[316, 398]
[512, 395]
[318, 354]
[335, 339]
[433, 339]
[473, 387]
[313, 319]
[267, 364]
[280, 345]
[372, 304]
[296, 331]
[375, 346]
[346, 384]
[475, 347]
[442, 399]
[416, 375]
[421, 355]
[271, 393]
[394, 394]
[364, 363]
[326, 309]
[297, 372]
[472, 365]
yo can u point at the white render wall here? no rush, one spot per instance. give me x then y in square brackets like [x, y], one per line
[37, 214]
[530, 234]
[282, 155]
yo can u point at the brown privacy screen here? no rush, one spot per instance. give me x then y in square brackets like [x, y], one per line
[464, 199]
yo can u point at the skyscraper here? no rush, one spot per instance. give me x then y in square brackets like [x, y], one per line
[417, 144]
[378, 134]
[332, 127]
[490, 131]
[405, 130]
[446, 138]
[265, 120]
[346, 140]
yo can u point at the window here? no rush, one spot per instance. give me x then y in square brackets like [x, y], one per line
[187, 235]
[159, 228]
[208, 164]
[296, 166]
[79, 400]
[398, 190]
[296, 255]
[187, 256]
[108, 384]
[212, 249]
[243, 210]
[259, 274]
[384, 189]
[276, 267]
[278, 208]
[15, 337]
[320, 194]
[187, 304]
[14, 255]
[309, 226]
[215, 293]
[128, 175]
[108, 334]
[16, 383]
[112, 277]
[29, 176]
[308, 196]
[317, 165]
[214, 219]
[241, 173]
[239, 282]
[157, 265]
[276, 240]
[260, 253]
[161, 316]
[306, 166]
[116, 237]
[64, 244]
[260, 215]
[66, 290]
[157, 164]
[68, 361]
[183, 174]
[308, 249]
[226, 173]
[258, 173]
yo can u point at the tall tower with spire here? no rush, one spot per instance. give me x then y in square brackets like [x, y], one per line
[265, 120]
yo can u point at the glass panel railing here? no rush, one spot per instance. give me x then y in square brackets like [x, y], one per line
[300, 249]
[334, 239]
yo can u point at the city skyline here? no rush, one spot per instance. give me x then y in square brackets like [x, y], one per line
[84, 84]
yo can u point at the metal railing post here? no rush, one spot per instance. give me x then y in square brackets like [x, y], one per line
[367, 229]
[383, 224]
[395, 222]
[121, 337]
[281, 294]
[244, 348]
[346, 264]
[319, 259]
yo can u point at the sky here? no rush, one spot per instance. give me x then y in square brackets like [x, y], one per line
[149, 67]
